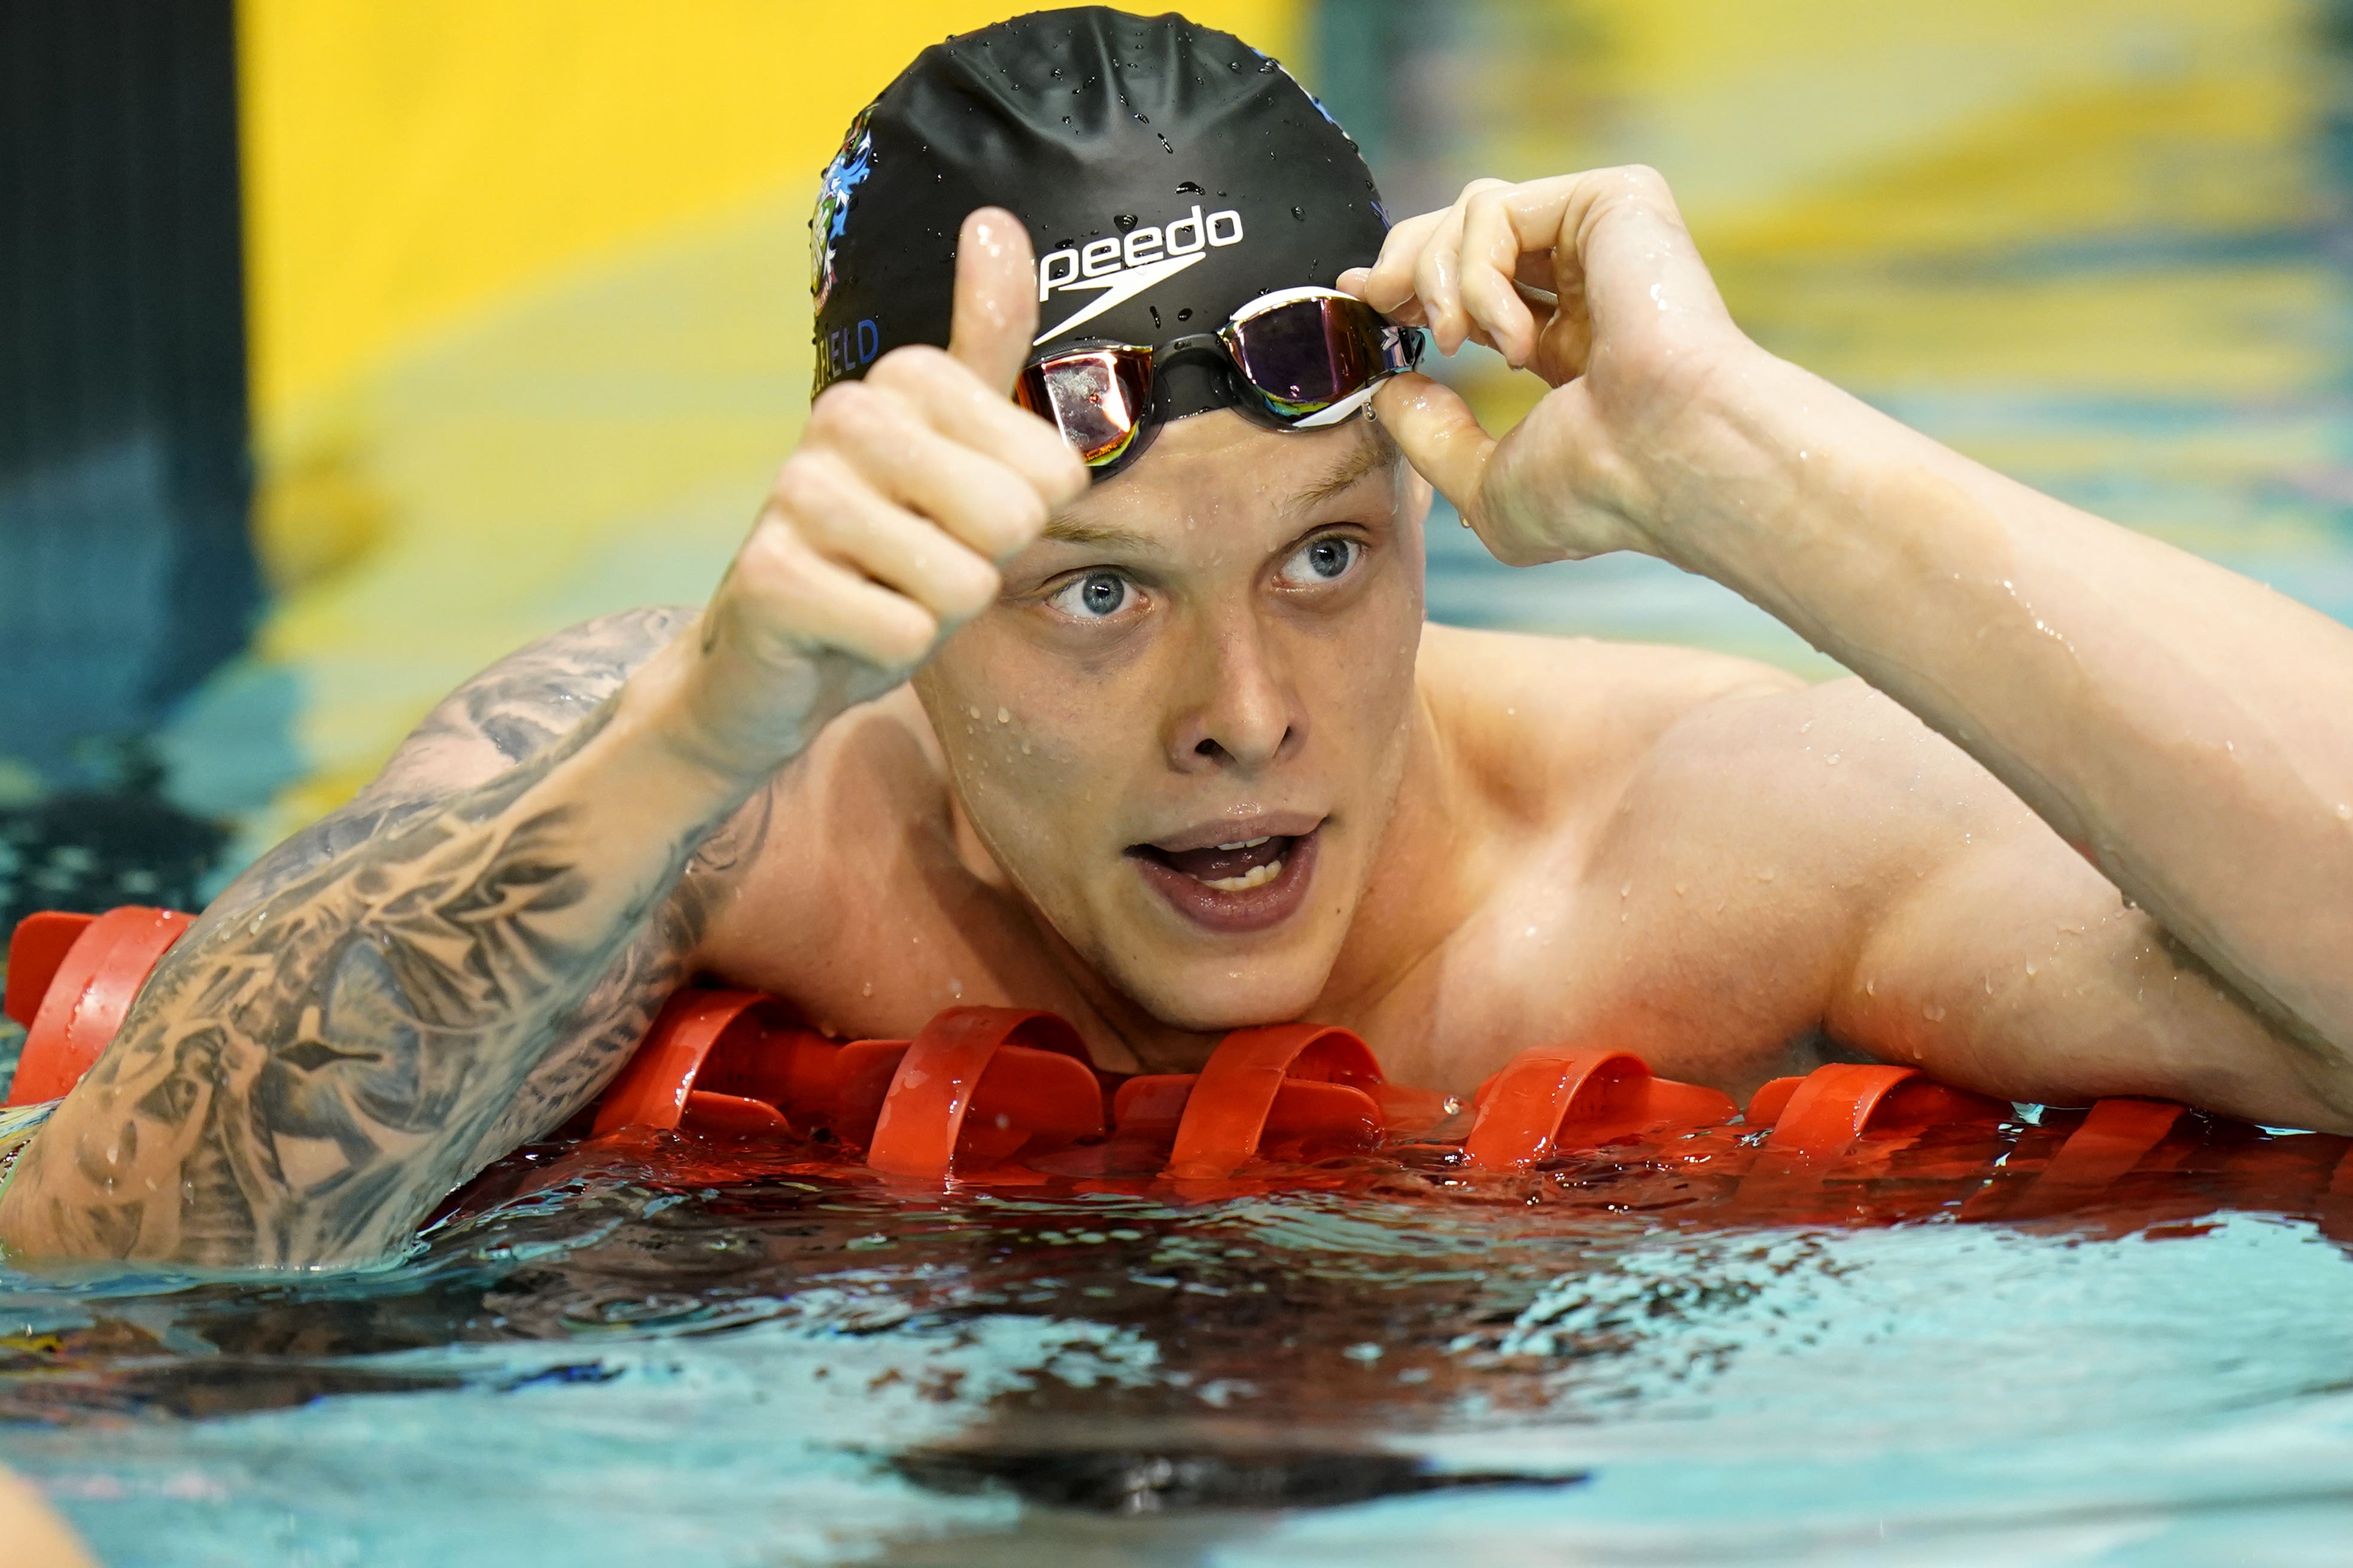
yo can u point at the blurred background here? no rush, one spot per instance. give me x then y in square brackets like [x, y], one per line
[349, 345]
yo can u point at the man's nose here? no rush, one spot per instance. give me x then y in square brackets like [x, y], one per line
[1242, 714]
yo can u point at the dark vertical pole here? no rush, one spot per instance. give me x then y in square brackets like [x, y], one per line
[126, 567]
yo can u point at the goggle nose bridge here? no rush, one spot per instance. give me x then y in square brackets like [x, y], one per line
[1194, 346]
[1193, 374]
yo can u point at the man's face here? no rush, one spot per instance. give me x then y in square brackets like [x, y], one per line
[1181, 729]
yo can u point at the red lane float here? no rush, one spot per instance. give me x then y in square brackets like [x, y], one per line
[72, 978]
[36, 948]
[656, 1092]
[2114, 1138]
[967, 1096]
[1297, 1080]
[2337, 1201]
[1821, 1115]
[1821, 1122]
[1552, 1100]
[1008, 1095]
[977, 1085]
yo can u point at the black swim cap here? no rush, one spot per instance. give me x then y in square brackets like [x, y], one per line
[1167, 174]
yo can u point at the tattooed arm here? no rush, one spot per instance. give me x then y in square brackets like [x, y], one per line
[449, 965]
[513, 712]
[463, 955]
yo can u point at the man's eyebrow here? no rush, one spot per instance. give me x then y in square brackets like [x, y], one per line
[1097, 535]
[1378, 450]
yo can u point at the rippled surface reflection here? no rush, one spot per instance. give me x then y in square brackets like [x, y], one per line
[803, 1369]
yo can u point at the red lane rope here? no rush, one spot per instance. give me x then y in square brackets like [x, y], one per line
[89, 991]
[1522, 1109]
[2116, 1135]
[652, 1088]
[980, 1086]
[1227, 1113]
[933, 1092]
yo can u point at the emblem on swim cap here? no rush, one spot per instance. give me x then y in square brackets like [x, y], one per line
[1167, 172]
[835, 189]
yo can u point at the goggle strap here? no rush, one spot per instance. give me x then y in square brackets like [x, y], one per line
[1344, 410]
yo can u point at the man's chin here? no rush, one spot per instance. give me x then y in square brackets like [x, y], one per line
[1187, 973]
[1212, 997]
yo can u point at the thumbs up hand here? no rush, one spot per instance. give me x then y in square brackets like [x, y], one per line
[884, 529]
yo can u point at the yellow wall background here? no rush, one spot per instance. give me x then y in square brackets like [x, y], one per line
[408, 162]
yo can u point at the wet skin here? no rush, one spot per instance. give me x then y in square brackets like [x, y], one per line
[1519, 839]
[1222, 645]
[1175, 754]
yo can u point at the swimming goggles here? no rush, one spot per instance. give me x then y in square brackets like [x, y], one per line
[1297, 359]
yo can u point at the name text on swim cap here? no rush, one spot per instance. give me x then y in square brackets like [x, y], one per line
[852, 348]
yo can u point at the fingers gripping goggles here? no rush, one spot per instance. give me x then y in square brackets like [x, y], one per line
[1297, 359]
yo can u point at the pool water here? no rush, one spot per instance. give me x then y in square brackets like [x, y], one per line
[799, 1369]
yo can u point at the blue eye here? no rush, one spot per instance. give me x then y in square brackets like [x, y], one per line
[1092, 597]
[1325, 560]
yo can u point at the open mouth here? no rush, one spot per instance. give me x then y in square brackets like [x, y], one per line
[1245, 884]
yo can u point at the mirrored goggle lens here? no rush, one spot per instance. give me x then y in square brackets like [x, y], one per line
[1096, 397]
[1302, 356]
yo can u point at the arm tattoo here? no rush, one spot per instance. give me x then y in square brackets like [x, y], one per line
[508, 714]
[389, 1000]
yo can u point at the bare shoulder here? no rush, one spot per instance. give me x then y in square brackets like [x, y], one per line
[1530, 713]
[1838, 779]
[1716, 892]
[878, 761]
[875, 779]
[1839, 741]
[865, 867]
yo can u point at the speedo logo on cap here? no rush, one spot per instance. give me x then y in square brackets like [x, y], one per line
[1124, 268]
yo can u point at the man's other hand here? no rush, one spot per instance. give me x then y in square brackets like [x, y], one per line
[885, 528]
[1638, 330]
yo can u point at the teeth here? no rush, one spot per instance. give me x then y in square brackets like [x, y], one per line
[1246, 844]
[1256, 877]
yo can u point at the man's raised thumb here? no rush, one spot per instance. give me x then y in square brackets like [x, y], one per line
[995, 296]
[1439, 435]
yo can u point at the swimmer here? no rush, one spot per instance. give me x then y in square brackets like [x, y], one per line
[1077, 660]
